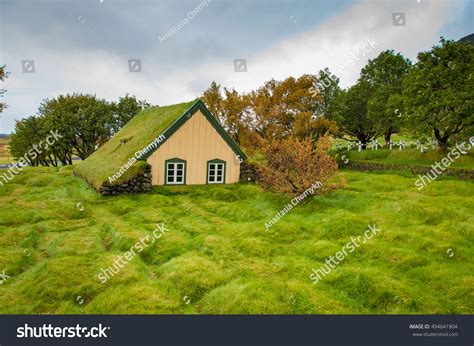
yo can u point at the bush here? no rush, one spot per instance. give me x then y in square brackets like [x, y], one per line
[293, 165]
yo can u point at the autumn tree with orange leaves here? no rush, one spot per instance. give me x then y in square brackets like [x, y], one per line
[281, 121]
[231, 110]
[277, 110]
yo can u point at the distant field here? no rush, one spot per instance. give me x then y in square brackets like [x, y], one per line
[4, 151]
[56, 234]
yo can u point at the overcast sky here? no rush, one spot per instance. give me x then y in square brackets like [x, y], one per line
[85, 45]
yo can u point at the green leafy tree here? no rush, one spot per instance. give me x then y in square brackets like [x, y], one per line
[61, 150]
[351, 111]
[28, 141]
[124, 110]
[84, 121]
[327, 87]
[26, 134]
[385, 75]
[439, 92]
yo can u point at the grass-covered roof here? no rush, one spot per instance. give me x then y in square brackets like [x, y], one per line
[138, 133]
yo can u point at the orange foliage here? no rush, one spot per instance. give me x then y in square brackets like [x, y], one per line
[293, 165]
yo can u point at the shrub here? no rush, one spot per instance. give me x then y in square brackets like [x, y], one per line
[293, 165]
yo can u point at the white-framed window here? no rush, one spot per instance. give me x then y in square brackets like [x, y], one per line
[175, 172]
[216, 172]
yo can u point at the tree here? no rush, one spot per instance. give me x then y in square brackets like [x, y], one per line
[3, 76]
[438, 92]
[214, 101]
[327, 87]
[282, 109]
[350, 107]
[62, 150]
[385, 75]
[25, 135]
[293, 165]
[306, 126]
[124, 110]
[231, 110]
[277, 104]
[29, 141]
[84, 121]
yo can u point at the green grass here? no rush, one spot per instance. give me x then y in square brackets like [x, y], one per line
[218, 257]
[410, 157]
[135, 135]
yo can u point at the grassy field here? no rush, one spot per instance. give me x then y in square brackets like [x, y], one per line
[56, 234]
[410, 157]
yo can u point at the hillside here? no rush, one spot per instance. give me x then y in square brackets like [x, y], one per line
[468, 38]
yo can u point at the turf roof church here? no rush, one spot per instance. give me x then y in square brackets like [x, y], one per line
[197, 150]
[182, 144]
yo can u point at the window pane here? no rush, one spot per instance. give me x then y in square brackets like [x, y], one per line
[175, 172]
[215, 172]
